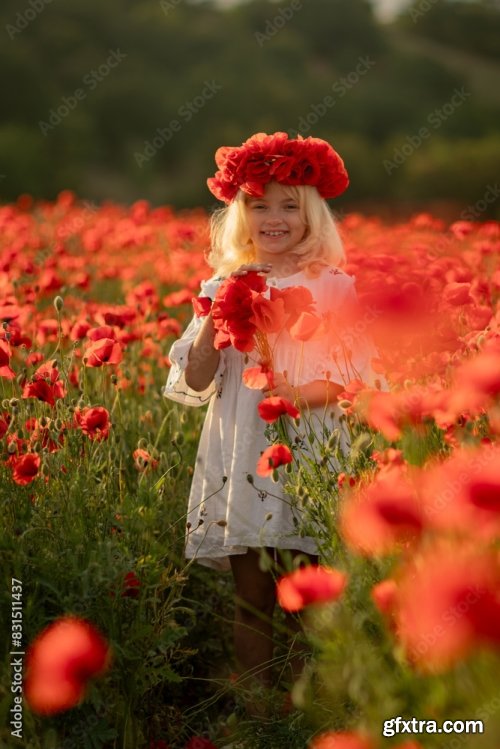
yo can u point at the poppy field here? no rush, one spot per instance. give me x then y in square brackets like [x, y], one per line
[111, 639]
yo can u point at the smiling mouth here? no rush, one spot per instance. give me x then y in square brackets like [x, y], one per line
[274, 233]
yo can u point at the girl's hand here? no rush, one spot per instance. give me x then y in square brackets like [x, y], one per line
[281, 388]
[244, 269]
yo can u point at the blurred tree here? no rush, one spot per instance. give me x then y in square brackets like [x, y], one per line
[126, 100]
[469, 25]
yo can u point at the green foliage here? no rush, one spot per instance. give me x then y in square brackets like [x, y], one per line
[470, 25]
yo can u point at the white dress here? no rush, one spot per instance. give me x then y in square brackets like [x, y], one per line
[227, 514]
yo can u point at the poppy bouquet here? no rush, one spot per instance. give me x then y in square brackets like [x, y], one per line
[243, 316]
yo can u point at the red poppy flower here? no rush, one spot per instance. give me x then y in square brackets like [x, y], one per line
[384, 596]
[476, 380]
[198, 742]
[5, 420]
[308, 585]
[386, 514]
[306, 327]
[231, 312]
[448, 604]
[25, 468]
[176, 298]
[271, 458]
[5, 354]
[341, 740]
[44, 391]
[257, 378]
[118, 315]
[202, 305]
[270, 409]
[103, 351]
[94, 422]
[381, 412]
[268, 315]
[45, 385]
[297, 300]
[462, 493]
[143, 460]
[79, 330]
[60, 662]
[131, 585]
[262, 158]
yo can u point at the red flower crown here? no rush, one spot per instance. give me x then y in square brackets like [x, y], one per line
[262, 158]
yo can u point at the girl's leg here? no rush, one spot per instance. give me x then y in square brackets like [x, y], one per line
[253, 631]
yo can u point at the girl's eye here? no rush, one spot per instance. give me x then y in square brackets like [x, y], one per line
[292, 206]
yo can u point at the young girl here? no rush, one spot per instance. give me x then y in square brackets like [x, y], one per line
[276, 222]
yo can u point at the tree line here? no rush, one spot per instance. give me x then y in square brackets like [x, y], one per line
[124, 100]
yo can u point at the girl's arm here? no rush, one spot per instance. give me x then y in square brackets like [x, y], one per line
[317, 393]
[203, 358]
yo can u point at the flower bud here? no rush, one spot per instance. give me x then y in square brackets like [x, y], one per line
[333, 441]
[58, 303]
[345, 403]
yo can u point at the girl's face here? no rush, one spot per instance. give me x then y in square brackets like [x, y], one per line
[274, 223]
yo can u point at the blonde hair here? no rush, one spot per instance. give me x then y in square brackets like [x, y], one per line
[321, 245]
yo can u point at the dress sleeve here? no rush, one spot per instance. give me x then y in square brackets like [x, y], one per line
[176, 388]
